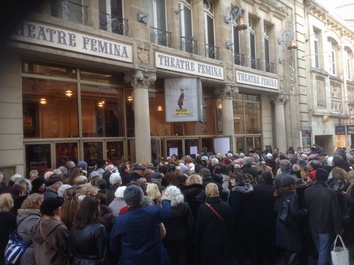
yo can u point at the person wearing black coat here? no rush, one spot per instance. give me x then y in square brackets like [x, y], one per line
[194, 193]
[214, 230]
[289, 238]
[266, 216]
[179, 227]
[88, 238]
[243, 209]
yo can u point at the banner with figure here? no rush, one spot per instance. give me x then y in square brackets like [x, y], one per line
[183, 99]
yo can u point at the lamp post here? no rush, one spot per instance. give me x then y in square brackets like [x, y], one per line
[287, 40]
[235, 14]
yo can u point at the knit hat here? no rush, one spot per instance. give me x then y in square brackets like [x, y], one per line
[120, 192]
[321, 174]
[37, 182]
[133, 195]
[50, 204]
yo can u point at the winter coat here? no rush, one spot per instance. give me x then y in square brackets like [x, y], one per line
[135, 235]
[57, 233]
[88, 246]
[49, 192]
[111, 193]
[324, 214]
[194, 195]
[264, 205]
[214, 237]
[242, 205]
[7, 226]
[107, 217]
[180, 226]
[26, 218]
[286, 237]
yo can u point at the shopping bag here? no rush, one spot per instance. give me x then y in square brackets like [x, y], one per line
[14, 249]
[339, 254]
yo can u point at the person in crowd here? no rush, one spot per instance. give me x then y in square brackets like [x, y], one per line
[266, 216]
[324, 215]
[118, 203]
[115, 181]
[348, 197]
[88, 238]
[153, 192]
[124, 171]
[288, 237]
[27, 216]
[76, 171]
[214, 233]
[244, 213]
[285, 167]
[136, 242]
[205, 173]
[70, 166]
[179, 227]
[7, 222]
[194, 193]
[312, 166]
[69, 207]
[157, 178]
[33, 175]
[49, 235]
[37, 186]
[247, 167]
[52, 184]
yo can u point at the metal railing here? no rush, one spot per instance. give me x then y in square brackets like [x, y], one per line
[161, 37]
[188, 44]
[239, 59]
[113, 23]
[211, 51]
[255, 63]
[270, 67]
[72, 11]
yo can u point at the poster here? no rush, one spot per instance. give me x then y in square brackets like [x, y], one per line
[183, 100]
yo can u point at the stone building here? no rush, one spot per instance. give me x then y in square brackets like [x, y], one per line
[141, 80]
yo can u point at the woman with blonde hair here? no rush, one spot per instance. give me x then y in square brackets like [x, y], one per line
[8, 220]
[153, 192]
[179, 227]
[194, 193]
[214, 229]
[27, 216]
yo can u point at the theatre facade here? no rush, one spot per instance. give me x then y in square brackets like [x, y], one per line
[142, 80]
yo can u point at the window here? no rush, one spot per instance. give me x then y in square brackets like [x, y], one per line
[185, 21]
[210, 49]
[111, 16]
[247, 114]
[238, 57]
[73, 11]
[253, 60]
[316, 49]
[332, 56]
[348, 67]
[321, 92]
[158, 33]
[268, 64]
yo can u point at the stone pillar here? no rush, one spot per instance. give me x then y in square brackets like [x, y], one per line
[140, 81]
[226, 94]
[280, 135]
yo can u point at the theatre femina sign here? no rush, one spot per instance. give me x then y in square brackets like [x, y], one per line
[256, 80]
[73, 41]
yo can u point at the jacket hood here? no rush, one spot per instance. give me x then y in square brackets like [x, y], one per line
[48, 227]
[245, 188]
[284, 191]
[22, 214]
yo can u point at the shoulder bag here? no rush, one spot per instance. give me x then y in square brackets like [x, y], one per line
[14, 249]
[217, 214]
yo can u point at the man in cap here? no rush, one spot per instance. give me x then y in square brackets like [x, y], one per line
[324, 215]
[49, 235]
[135, 241]
[138, 172]
[52, 184]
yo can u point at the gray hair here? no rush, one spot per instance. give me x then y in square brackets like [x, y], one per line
[288, 180]
[247, 160]
[115, 178]
[174, 194]
[284, 164]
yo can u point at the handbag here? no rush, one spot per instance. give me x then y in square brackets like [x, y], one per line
[339, 254]
[14, 249]
[216, 213]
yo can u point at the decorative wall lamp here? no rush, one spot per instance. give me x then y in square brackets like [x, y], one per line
[68, 93]
[235, 14]
[287, 40]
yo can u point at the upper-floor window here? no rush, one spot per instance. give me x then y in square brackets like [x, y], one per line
[238, 57]
[111, 16]
[211, 50]
[348, 66]
[73, 10]
[158, 25]
[252, 29]
[185, 23]
[316, 49]
[268, 64]
[332, 44]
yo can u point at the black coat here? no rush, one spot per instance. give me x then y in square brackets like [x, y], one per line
[88, 245]
[324, 215]
[288, 238]
[7, 225]
[264, 205]
[194, 195]
[214, 237]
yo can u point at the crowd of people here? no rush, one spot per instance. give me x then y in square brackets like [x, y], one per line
[217, 209]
